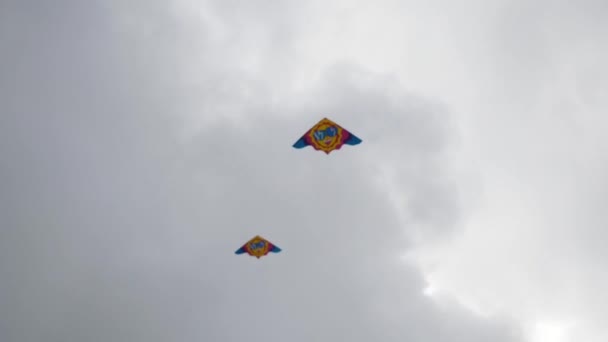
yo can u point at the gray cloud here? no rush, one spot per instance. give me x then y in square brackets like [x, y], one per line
[117, 228]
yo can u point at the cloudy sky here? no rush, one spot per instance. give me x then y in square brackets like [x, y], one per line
[143, 142]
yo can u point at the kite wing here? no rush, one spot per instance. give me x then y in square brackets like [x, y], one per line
[326, 136]
[258, 247]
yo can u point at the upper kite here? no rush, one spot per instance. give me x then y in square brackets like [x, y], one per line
[327, 136]
[258, 247]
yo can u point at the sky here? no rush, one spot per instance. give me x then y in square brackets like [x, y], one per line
[143, 142]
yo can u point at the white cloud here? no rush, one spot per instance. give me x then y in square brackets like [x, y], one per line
[527, 250]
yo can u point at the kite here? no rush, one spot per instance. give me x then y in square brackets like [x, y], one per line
[327, 136]
[258, 247]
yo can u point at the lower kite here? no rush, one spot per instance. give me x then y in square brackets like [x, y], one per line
[258, 247]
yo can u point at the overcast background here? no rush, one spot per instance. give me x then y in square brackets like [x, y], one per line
[143, 142]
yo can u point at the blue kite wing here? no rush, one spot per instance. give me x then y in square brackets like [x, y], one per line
[352, 139]
[301, 143]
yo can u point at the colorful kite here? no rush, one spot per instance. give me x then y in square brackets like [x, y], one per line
[327, 136]
[258, 247]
